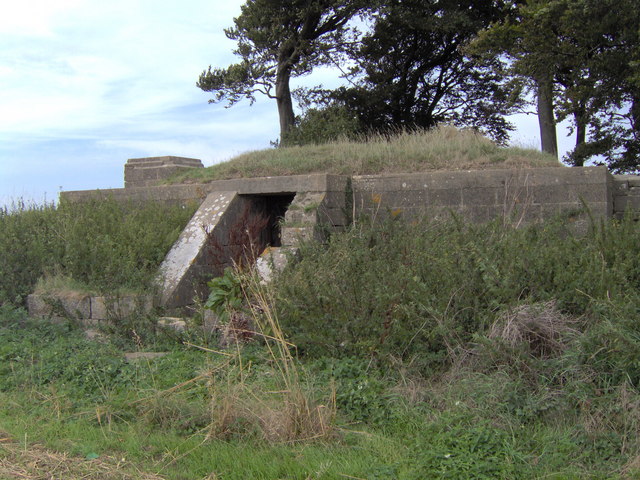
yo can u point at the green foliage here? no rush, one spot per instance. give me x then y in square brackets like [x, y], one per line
[106, 245]
[581, 53]
[30, 359]
[226, 294]
[393, 289]
[452, 449]
[322, 125]
[412, 71]
[277, 40]
[360, 391]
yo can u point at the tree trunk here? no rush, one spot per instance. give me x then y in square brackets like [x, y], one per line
[581, 137]
[285, 104]
[546, 118]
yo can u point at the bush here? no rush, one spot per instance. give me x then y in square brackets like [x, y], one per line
[105, 245]
[394, 289]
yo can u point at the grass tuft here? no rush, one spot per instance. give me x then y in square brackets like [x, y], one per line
[443, 148]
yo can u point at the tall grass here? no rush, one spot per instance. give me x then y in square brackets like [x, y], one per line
[444, 148]
[103, 245]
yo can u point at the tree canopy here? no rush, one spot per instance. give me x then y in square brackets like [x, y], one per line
[580, 57]
[468, 63]
[278, 40]
[412, 70]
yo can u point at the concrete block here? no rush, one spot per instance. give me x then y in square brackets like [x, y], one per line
[131, 357]
[621, 203]
[292, 236]
[273, 261]
[172, 323]
[577, 193]
[65, 304]
[142, 172]
[107, 308]
[334, 216]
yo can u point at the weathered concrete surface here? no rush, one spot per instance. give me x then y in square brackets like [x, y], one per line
[626, 195]
[135, 356]
[197, 192]
[188, 263]
[144, 172]
[273, 260]
[108, 308]
[69, 305]
[85, 307]
[172, 323]
[523, 195]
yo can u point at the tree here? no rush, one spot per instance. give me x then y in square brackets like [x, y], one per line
[412, 70]
[578, 58]
[278, 40]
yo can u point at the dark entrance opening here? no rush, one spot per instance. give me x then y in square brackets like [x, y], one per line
[272, 207]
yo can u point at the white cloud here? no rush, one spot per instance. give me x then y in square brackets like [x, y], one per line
[33, 17]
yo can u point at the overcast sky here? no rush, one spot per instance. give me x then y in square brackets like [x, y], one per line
[87, 84]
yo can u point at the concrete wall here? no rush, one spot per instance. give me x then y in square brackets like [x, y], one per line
[626, 195]
[325, 203]
[522, 195]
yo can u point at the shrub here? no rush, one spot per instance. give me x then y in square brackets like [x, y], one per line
[105, 245]
[394, 289]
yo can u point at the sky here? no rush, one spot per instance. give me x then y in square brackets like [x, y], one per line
[87, 84]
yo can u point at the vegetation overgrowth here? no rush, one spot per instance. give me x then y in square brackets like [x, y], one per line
[426, 350]
[443, 148]
[99, 245]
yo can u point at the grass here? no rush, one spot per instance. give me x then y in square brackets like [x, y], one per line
[444, 148]
[496, 384]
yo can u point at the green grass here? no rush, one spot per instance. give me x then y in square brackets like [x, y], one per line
[438, 350]
[444, 148]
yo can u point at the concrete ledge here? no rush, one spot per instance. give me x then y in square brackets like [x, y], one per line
[70, 305]
[81, 306]
[106, 308]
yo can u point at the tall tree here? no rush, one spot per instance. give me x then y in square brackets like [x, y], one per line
[578, 57]
[278, 40]
[412, 70]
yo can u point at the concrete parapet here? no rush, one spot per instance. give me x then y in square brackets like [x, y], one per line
[197, 192]
[144, 172]
[482, 195]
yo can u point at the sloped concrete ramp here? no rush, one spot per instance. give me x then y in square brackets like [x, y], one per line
[188, 264]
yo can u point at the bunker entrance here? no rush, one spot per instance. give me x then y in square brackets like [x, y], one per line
[271, 207]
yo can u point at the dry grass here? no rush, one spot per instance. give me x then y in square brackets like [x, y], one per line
[444, 148]
[242, 406]
[33, 462]
[541, 327]
[246, 410]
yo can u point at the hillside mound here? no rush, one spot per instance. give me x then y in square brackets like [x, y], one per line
[444, 148]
